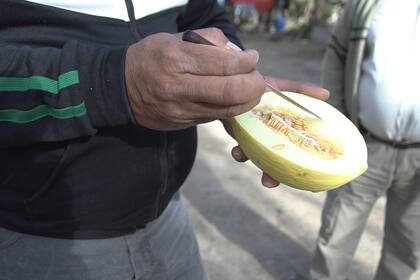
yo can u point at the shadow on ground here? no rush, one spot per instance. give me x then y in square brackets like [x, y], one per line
[247, 229]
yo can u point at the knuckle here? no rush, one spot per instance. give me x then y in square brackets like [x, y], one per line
[230, 65]
[215, 35]
[232, 112]
[174, 112]
[261, 88]
[246, 89]
[205, 116]
[227, 90]
[258, 82]
[216, 31]
[169, 54]
[209, 116]
[163, 45]
[152, 41]
[243, 89]
[165, 91]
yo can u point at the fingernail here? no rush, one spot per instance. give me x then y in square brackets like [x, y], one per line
[268, 182]
[326, 93]
[257, 55]
[232, 46]
[236, 153]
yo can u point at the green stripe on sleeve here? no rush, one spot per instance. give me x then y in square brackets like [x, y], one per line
[21, 116]
[39, 83]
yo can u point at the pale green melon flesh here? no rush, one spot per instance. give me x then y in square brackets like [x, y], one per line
[293, 165]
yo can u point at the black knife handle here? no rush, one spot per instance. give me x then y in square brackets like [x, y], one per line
[193, 37]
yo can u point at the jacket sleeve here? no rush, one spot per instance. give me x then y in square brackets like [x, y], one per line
[50, 94]
[334, 62]
[207, 13]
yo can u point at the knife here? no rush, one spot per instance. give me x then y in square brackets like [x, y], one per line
[193, 37]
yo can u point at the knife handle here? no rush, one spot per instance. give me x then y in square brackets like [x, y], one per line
[193, 37]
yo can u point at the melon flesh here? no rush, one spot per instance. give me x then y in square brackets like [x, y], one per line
[296, 148]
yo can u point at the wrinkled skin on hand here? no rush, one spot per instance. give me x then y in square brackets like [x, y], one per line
[173, 84]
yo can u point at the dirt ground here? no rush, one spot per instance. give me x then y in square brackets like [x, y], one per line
[246, 231]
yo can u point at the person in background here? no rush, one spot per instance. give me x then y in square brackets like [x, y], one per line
[283, 5]
[371, 69]
[99, 102]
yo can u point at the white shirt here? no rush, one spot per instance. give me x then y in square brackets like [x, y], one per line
[113, 8]
[389, 92]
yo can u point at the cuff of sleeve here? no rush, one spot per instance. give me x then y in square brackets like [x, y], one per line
[109, 95]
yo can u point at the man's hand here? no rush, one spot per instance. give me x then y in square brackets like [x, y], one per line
[173, 84]
[283, 85]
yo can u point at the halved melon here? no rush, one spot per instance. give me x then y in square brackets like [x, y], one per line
[298, 149]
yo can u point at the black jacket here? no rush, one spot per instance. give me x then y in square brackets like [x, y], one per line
[73, 162]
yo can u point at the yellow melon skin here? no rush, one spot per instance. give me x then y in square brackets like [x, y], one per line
[286, 168]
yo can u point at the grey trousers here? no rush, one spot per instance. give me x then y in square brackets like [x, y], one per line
[166, 249]
[394, 173]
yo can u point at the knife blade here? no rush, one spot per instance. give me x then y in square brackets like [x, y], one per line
[193, 37]
[290, 100]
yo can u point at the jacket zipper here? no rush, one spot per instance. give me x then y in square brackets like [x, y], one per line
[164, 137]
[133, 26]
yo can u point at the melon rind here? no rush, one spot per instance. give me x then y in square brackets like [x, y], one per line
[293, 165]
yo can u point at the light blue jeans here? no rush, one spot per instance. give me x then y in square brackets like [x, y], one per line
[166, 249]
[392, 172]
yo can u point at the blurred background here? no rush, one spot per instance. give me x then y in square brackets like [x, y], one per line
[246, 231]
